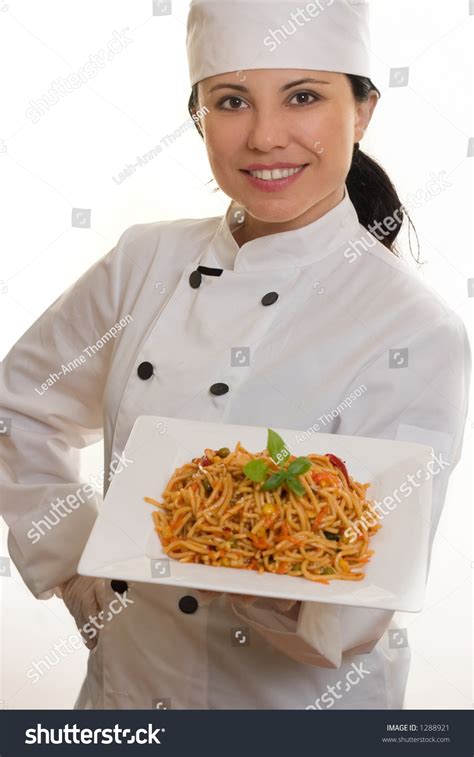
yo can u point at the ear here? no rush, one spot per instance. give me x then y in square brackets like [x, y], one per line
[364, 114]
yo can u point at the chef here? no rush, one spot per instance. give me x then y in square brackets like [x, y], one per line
[273, 322]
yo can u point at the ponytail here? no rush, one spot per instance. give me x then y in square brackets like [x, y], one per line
[370, 188]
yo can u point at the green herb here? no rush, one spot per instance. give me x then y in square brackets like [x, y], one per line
[257, 470]
[274, 481]
[326, 571]
[277, 448]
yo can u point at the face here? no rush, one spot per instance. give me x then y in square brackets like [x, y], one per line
[270, 116]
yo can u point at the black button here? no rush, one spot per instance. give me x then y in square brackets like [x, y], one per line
[120, 586]
[145, 370]
[219, 388]
[195, 279]
[270, 298]
[188, 604]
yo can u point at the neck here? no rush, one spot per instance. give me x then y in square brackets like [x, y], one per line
[253, 228]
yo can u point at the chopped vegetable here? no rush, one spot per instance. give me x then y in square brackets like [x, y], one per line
[320, 517]
[338, 463]
[207, 486]
[223, 452]
[324, 479]
[332, 537]
[259, 541]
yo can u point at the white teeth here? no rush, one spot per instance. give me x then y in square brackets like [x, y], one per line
[277, 173]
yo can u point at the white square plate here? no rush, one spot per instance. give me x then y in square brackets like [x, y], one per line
[124, 545]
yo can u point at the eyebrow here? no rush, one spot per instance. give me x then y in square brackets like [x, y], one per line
[241, 88]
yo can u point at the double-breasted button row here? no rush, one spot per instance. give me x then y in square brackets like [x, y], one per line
[195, 280]
[186, 604]
[146, 370]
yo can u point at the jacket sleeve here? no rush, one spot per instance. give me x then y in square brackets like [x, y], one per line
[423, 398]
[51, 387]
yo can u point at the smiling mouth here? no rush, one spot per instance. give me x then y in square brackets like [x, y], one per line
[276, 173]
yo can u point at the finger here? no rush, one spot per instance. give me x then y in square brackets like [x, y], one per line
[89, 641]
[245, 599]
[99, 593]
[283, 604]
[87, 630]
[205, 596]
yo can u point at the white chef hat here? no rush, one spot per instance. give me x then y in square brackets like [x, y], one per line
[235, 35]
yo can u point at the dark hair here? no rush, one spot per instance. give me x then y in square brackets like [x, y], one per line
[370, 188]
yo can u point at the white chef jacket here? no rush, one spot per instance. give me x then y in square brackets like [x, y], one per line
[327, 334]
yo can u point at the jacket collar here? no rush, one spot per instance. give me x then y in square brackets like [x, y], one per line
[286, 249]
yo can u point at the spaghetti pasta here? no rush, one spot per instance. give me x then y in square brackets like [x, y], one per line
[213, 514]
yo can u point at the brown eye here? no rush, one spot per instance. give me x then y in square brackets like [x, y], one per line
[306, 94]
[233, 100]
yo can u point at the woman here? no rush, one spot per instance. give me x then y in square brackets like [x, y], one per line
[273, 322]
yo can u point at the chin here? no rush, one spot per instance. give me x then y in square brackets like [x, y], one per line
[276, 211]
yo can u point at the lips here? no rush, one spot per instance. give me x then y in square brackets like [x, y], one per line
[276, 173]
[271, 166]
[274, 180]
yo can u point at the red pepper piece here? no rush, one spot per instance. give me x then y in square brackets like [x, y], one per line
[338, 463]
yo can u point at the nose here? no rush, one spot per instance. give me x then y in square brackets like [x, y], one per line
[267, 130]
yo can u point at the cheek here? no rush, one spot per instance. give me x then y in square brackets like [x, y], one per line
[327, 131]
[222, 138]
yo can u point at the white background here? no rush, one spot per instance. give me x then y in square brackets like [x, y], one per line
[69, 160]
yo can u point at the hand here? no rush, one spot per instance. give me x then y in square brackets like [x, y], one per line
[81, 595]
[282, 605]
[267, 603]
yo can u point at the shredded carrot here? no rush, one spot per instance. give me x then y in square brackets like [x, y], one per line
[320, 517]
